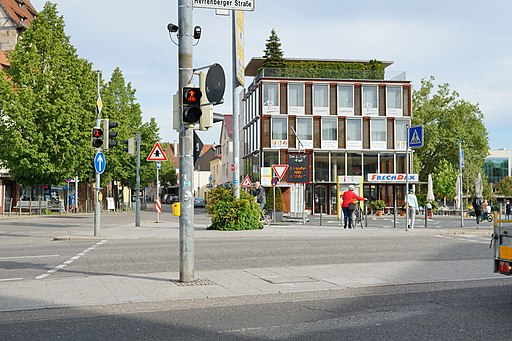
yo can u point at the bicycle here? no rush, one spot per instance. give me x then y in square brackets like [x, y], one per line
[265, 218]
[357, 217]
[485, 216]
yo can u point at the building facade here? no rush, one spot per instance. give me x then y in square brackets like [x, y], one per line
[351, 125]
[497, 165]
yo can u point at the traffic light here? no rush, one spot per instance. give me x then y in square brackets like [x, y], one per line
[109, 133]
[97, 140]
[206, 120]
[191, 105]
[130, 146]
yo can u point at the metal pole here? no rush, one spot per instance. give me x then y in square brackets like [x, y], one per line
[157, 199]
[407, 180]
[76, 194]
[186, 145]
[236, 115]
[460, 189]
[97, 205]
[274, 213]
[137, 184]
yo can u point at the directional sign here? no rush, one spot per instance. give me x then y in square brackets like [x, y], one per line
[280, 170]
[416, 137]
[157, 154]
[246, 182]
[100, 163]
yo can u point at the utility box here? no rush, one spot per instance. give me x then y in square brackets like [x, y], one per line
[176, 209]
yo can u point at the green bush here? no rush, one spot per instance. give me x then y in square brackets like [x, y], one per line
[377, 205]
[279, 200]
[230, 214]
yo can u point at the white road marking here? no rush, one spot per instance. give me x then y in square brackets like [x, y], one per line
[23, 257]
[10, 279]
[71, 260]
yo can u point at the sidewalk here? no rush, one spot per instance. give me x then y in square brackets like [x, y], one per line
[52, 292]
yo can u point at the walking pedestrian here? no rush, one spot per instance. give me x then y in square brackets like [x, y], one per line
[507, 210]
[412, 202]
[348, 205]
[477, 206]
[259, 193]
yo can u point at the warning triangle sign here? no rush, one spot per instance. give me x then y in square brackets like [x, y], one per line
[415, 139]
[247, 182]
[280, 170]
[157, 154]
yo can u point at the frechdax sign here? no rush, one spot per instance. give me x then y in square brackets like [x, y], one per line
[384, 177]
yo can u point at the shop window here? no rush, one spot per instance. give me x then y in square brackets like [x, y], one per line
[321, 167]
[337, 165]
[387, 164]
[354, 164]
[371, 164]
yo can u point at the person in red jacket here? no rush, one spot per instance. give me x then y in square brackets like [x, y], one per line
[348, 205]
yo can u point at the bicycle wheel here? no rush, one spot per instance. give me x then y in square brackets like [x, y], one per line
[489, 218]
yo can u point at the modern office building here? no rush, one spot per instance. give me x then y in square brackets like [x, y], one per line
[343, 117]
[497, 165]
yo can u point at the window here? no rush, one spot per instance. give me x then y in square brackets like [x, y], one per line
[354, 164]
[329, 133]
[295, 99]
[354, 136]
[270, 158]
[346, 100]
[387, 163]
[279, 132]
[320, 99]
[305, 132]
[337, 165]
[378, 134]
[270, 98]
[394, 101]
[370, 100]
[371, 164]
[401, 134]
[321, 166]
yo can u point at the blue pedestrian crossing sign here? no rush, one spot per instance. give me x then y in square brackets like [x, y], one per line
[100, 162]
[416, 137]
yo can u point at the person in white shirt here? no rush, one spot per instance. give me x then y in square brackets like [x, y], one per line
[412, 202]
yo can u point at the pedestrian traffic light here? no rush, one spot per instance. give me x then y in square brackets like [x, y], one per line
[130, 146]
[109, 133]
[191, 105]
[97, 137]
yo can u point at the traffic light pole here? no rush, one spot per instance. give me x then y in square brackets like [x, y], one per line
[236, 115]
[97, 205]
[185, 67]
[137, 184]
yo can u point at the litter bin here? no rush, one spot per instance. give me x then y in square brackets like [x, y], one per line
[176, 209]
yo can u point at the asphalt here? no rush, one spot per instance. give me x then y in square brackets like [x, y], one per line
[47, 291]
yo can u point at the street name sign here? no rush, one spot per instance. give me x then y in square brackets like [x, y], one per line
[236, 5]
[100, 163]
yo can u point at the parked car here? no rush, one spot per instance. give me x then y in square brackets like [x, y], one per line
[198, 202]
[174, 198]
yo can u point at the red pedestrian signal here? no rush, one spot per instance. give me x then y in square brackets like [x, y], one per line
[97, 140]
[191, 105]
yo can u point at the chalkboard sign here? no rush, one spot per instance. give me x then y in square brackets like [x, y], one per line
[298, 171]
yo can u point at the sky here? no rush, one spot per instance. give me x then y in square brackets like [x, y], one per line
[466, 44]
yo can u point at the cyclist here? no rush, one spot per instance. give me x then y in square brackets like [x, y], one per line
[477, 206]
[259, 193]
[348, 205]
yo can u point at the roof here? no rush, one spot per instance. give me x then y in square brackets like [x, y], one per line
[251, 70]
[228, 124]
[21, 12]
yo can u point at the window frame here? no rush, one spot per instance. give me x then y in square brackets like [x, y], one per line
[267, 108]
[391, 111]
[306, 144]
[278, 143]
[354, 144]
[300, 109]
[401, 145]
[370, 111]
[378, 144]
[316, 109]
[345, 111]
[329, 144]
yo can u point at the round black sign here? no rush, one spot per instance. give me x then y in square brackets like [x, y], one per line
[215, 84]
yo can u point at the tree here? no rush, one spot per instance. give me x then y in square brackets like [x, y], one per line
[273, 54]
[447, 119]
[47, 106]
[445, 180]
[504, 186]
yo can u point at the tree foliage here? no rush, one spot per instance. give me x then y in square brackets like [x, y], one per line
[504, 186]
[448, 119]
[445, 182]
[45, 106]
[273, 53]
